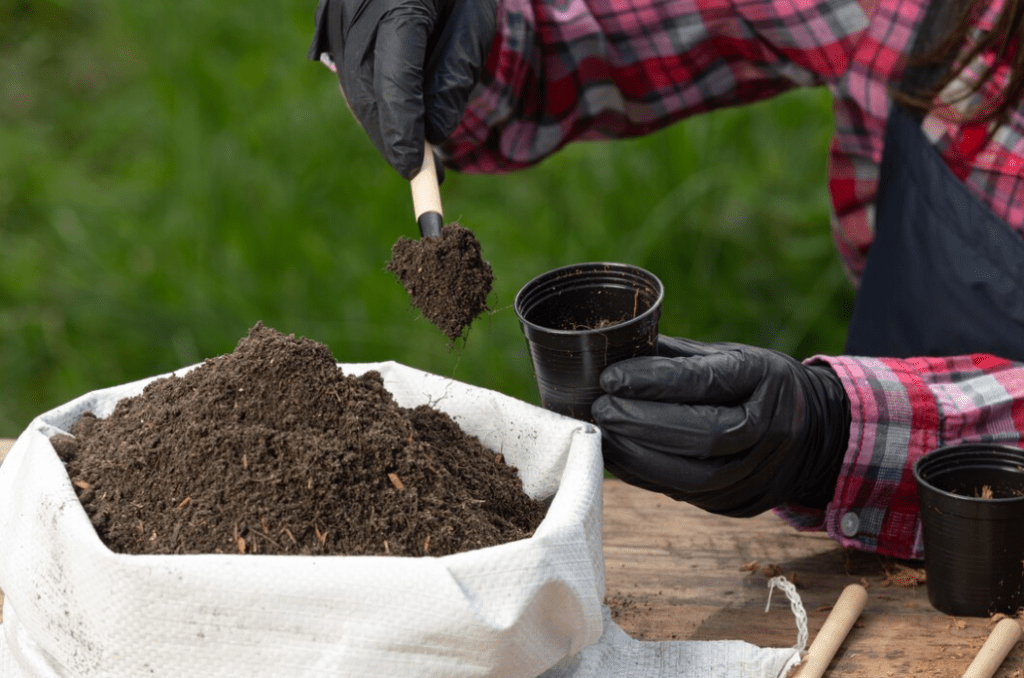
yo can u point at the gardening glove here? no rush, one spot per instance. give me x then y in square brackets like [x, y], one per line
[730, 428]
[406, 67]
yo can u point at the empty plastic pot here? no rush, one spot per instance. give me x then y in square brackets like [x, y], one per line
[581, 318]
[972, 514]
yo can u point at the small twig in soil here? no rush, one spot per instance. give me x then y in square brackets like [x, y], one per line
[267, 537]
[320, 536]
[904, 576]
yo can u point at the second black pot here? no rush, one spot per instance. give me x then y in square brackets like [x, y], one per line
[972, 515]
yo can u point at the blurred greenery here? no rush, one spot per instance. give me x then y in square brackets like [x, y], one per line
[172, 173]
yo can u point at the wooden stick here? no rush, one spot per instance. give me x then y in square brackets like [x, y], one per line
[837, 625]
[1002, 639]
[426, 193]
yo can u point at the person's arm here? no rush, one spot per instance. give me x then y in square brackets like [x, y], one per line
[829, 442]
[901, 410]
[539, 74]
[568, 70]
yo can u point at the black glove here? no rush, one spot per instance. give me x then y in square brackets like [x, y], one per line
[406, 67]
[730, 428]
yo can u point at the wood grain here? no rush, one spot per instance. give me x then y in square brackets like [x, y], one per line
[676, 572]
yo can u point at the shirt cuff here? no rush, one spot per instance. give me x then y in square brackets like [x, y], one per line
[894, 421]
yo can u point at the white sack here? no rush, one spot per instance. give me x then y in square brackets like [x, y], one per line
[74, 609]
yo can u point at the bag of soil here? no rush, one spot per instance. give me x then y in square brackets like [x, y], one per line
[522, 609]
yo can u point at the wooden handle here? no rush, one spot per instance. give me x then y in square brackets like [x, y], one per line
[838, 623]
[426, 194]
[1002, 639]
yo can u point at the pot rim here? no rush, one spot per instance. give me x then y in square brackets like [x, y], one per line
[921, 468]
[655, 307]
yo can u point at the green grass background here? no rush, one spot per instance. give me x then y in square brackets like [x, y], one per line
[172, 173]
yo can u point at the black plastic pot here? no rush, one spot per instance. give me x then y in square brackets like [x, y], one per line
[973, 536]
[581, 318]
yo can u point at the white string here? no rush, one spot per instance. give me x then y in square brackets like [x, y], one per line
[795, 604]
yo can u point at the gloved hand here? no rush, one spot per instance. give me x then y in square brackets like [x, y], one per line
[406, 67]
[730, 428]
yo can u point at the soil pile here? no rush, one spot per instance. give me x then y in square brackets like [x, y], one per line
[272, 449]
[446, 277]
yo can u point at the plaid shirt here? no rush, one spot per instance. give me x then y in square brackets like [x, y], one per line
[902, 409]
[562, 70]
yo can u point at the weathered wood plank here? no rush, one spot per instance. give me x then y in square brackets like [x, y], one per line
[676, 572]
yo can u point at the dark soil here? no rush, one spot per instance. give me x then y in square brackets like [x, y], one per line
[446, 277]
[272, 449]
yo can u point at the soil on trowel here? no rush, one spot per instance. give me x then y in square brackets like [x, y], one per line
[272, 449]
[446, 278]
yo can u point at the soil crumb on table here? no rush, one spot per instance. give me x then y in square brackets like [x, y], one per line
[272, 449]
[446, 277]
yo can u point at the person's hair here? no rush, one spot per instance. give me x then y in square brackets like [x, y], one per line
[1004, 41]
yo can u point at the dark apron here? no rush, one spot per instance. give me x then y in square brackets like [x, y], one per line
[945, 275]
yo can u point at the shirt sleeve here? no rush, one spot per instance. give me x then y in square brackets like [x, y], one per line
[901, 410]
[565, 70]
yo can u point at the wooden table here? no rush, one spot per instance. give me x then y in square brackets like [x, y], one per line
[676, 572]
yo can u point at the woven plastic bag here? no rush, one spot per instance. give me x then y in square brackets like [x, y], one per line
[533, 607]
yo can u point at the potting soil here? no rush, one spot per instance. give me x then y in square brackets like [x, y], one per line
[446, 277]
[272, 449]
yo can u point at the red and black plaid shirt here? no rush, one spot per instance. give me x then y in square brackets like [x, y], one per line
[562, 70]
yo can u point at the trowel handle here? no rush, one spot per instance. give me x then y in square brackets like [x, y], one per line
[838, 623]
[426, 196]
[1002, 639]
